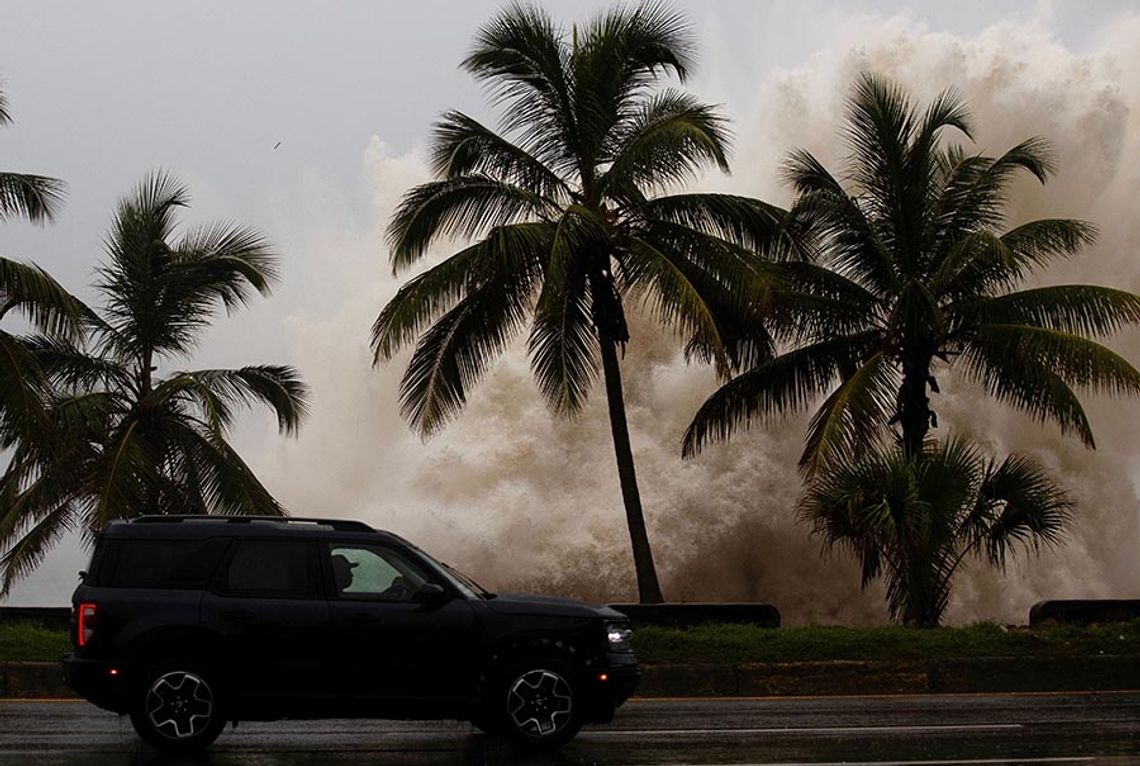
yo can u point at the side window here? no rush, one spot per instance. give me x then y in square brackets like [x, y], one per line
[174, 564]
[270, 568]
[374, 573]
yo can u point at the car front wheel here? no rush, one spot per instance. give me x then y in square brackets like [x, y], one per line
[177, 709]
[539, 702]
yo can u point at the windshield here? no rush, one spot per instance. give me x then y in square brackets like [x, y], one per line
[468, 587]
[479, 589]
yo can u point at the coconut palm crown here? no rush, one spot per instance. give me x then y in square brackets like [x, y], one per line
[915, 273]
[119, 435]
[566, 210]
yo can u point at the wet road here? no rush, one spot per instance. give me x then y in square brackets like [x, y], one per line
[958, 729]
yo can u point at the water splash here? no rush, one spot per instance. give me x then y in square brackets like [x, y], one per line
[522, 500]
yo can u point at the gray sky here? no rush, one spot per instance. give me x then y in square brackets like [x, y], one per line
[102, 93]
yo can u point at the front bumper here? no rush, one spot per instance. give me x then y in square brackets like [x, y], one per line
[610, 684]
[103, 683]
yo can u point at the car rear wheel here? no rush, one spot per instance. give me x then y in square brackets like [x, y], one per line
[178, 708]
[539, 704]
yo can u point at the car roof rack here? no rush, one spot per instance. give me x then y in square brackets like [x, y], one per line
[341, 525]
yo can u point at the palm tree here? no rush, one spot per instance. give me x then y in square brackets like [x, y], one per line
[915, 275]
[28, 290]
[125, 440]
[564, 209]
[914, 519]
[36, 198]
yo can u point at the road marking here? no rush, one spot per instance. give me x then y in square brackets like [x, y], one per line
[1078, 693]
[819, 729]
[1049, 759]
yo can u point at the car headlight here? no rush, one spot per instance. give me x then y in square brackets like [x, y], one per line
[619, 638]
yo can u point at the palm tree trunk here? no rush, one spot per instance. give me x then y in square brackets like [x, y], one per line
[648, 589]
[915, 404]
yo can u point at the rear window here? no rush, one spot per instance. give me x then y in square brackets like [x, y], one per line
[175, 564]
[273, 568]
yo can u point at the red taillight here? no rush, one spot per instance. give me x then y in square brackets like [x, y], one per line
[86, 623]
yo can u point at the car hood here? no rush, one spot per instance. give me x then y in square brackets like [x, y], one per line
[525, 603]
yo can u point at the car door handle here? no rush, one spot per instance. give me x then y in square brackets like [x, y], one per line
[238, 615]
[362, 619]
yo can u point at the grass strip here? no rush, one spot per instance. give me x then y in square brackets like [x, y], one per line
[25, 641]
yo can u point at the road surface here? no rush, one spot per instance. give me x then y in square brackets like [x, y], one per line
[948, 729]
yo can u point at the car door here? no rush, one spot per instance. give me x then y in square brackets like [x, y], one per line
[390, 642]
[267, 605]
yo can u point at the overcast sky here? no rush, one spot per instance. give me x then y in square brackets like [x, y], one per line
[101, 93]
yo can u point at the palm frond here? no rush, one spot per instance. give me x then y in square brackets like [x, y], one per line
[879, 129]
[617, 55]
[982, 261]
[974, 192]
[35, 198]
[519, 248]
[218, 392]
[26, 554]
[462, 146]
[221, 262]
[1018, 505]
[746, 222]
[790, 381]
[1078, 361]
[1085, 310]
[521, 57]
[75, 368]
[466, 207]
[670, 138]
[23, 393]
[676, 292]
[31, 291]
[813, 302]
[563, 342]
[458, 348]
[853, 417]
[838, 226]
[227, 484]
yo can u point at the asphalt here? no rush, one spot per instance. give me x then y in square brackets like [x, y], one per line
[928, 730]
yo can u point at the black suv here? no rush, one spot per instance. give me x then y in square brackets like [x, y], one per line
[185, 623]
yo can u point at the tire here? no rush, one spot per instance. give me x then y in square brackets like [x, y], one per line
[178, 707]
[537, 703]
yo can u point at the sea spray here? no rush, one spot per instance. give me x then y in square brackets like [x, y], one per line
[521, 499]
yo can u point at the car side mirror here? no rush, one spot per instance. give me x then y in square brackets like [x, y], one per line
[431, 593]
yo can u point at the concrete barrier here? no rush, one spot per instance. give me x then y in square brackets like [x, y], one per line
[689, 614]
[1084, 611]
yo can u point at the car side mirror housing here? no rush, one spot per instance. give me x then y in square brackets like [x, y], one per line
[431, 593]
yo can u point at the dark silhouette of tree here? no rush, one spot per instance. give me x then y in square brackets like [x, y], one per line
[564, 206]
[117, 439]
[913, 520]
[914, 275]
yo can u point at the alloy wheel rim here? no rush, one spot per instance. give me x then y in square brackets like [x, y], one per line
[179, 705]
[540, 702]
